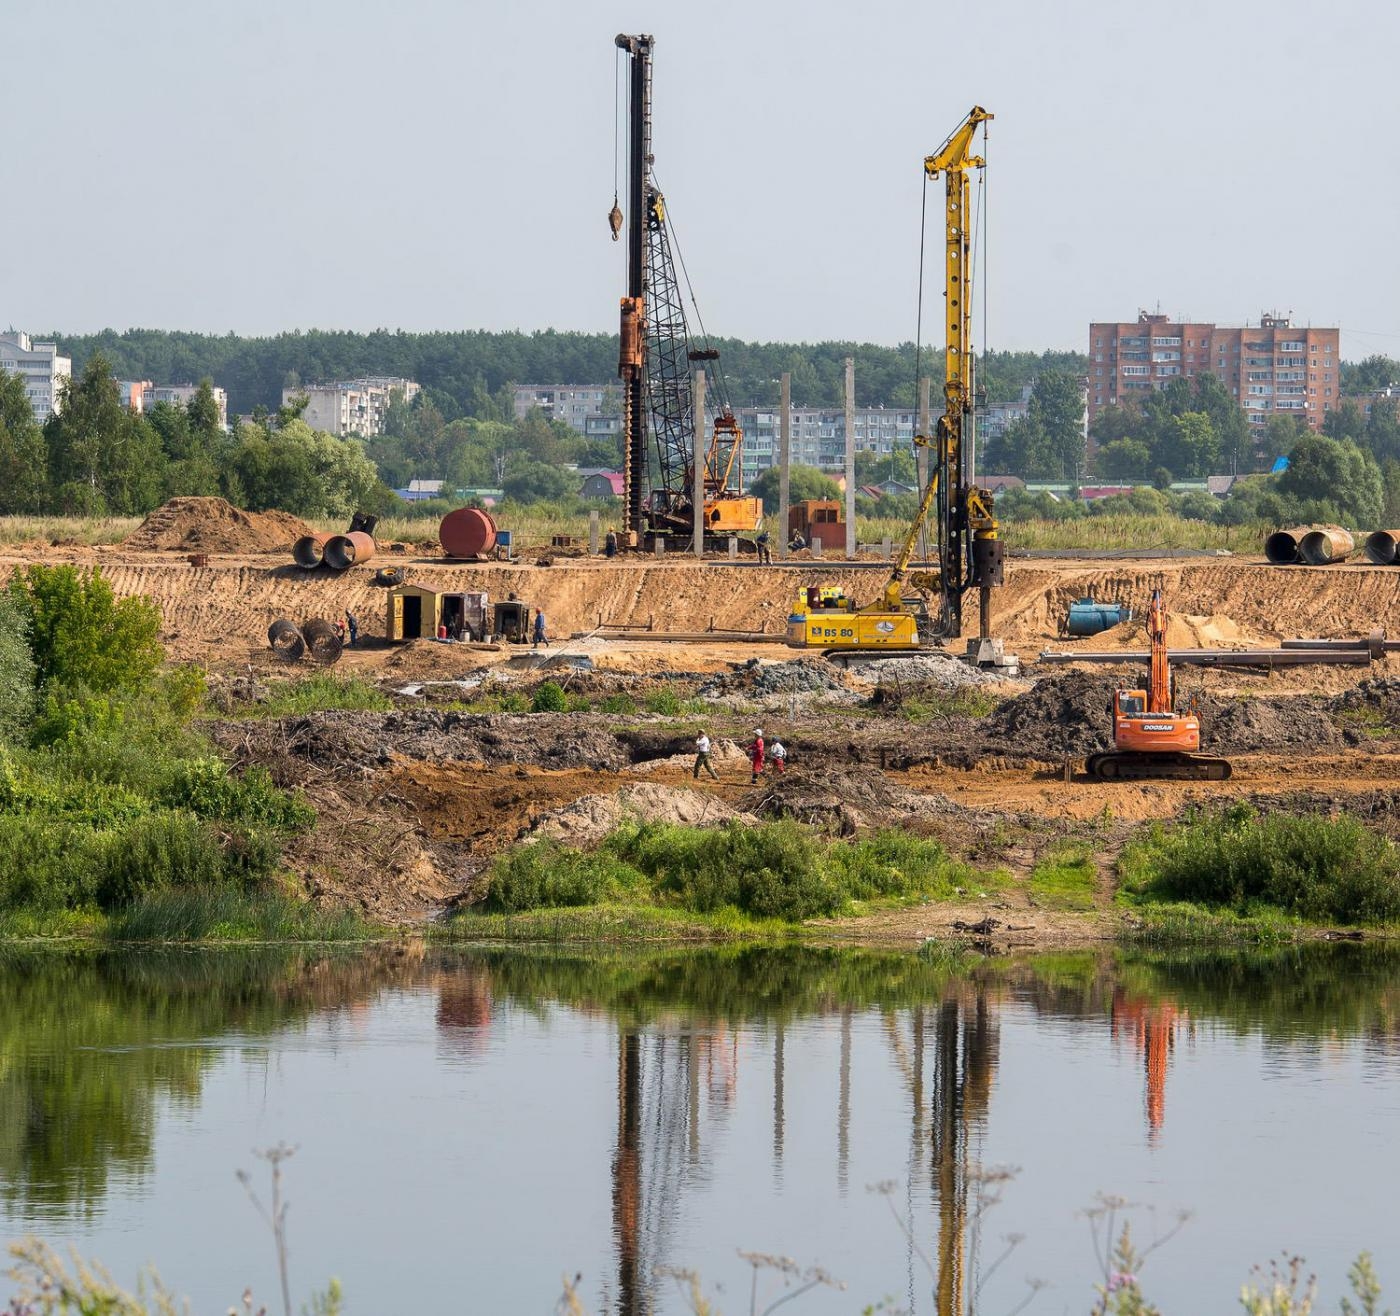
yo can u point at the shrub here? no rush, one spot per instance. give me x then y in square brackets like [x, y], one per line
[80, 634]
[16, 674]
[619, 703]
[1312, 867]
[157, 853]
[204, 787]
[666, 702]
[549, 698]
[547, 875]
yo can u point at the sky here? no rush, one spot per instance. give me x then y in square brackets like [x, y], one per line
[270, 165]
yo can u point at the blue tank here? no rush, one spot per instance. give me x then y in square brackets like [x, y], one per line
[1089, 618]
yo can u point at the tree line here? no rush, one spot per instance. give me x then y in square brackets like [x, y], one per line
[465, 372]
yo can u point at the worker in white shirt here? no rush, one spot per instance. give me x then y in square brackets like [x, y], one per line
[778, 754]
[702, 757]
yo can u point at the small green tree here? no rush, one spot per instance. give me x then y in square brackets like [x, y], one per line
[80, 634]
[804, 482]
[16, 674]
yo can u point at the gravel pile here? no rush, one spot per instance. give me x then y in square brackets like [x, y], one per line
[759, 679]
[943, 670]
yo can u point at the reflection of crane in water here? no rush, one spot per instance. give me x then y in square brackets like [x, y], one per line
[658, 1152]
[1151, 1026]
[965, 1043]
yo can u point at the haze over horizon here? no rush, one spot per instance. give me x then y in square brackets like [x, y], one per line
[348, 166]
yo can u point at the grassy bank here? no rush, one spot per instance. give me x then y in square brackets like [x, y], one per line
[1235, 864]
[735, 880]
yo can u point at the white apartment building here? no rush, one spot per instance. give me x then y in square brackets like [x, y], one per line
[351, 406]
[571, 403]
[41, 367]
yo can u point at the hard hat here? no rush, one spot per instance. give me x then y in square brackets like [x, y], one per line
[758, 731]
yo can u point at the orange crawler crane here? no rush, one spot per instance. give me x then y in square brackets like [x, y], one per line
[1150, 738]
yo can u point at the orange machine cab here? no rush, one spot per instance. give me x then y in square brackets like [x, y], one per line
[1135, 729]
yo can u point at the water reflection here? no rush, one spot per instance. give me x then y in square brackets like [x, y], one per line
[97, 1045]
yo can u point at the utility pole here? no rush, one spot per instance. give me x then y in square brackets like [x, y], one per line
[850, 457]
[698, 482]
[784, 463]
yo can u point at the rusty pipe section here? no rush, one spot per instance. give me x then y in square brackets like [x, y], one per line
[1281, 547]
[346, 550]
[321, 639]
[310, 551]
[1324, 545]
[286, 639]
[1383, 547]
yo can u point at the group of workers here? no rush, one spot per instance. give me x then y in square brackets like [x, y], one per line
[760, 753]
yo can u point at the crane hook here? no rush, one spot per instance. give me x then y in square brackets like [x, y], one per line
[615, 220]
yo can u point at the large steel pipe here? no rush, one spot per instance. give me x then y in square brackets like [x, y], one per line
[346, 550]
[468, 532]
[286, 639]
[1383, 547]
[310, 551]
[1325, 544]
[321, 639]
[1281, 547]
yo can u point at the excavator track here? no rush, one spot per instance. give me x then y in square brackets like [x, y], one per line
[1124, 766]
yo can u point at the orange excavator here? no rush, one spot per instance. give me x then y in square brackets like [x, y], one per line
[1150, 737]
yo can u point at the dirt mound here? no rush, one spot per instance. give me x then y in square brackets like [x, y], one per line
[589, 819]
[357, 743]
[1064, 714]
[1186, 631]
[1067, 714]
[1237, 726]
[723, 754]
[211, 525]
[1373, 705]
[837, 799]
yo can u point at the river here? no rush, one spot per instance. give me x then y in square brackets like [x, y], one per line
[472, 1125]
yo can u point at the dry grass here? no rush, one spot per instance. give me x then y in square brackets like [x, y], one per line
[66, 529]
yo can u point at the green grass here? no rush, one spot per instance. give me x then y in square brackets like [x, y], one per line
[1066, 877]
[930, 704]
[219, 914]
[773, 871]
[622, 923]
[1315, 868]
[318, 694]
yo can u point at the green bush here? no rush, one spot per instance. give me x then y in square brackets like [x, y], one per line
[159, 852]
[16, 674]
[777, 870]
[80, 634]
[549, 698]
[205, 787]
[666, 702]
[1317, 868]
[547, 875]
[619, 703]
[222, 914]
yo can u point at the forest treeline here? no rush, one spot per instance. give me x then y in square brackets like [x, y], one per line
[465, 371]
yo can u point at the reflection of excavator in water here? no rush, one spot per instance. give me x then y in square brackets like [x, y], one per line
[1151, 738]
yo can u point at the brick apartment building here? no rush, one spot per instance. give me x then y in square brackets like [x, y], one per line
[1271, 368]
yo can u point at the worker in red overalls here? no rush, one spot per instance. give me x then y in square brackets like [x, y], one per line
[756, 753]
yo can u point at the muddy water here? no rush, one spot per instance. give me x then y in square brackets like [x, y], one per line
[473, 1125]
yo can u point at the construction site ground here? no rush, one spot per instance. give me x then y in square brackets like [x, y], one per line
[415, 803]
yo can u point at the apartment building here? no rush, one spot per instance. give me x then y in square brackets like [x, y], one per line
[41, 368]
[143, 395]
[1269, 368]
[351, 407]
[571, 403]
